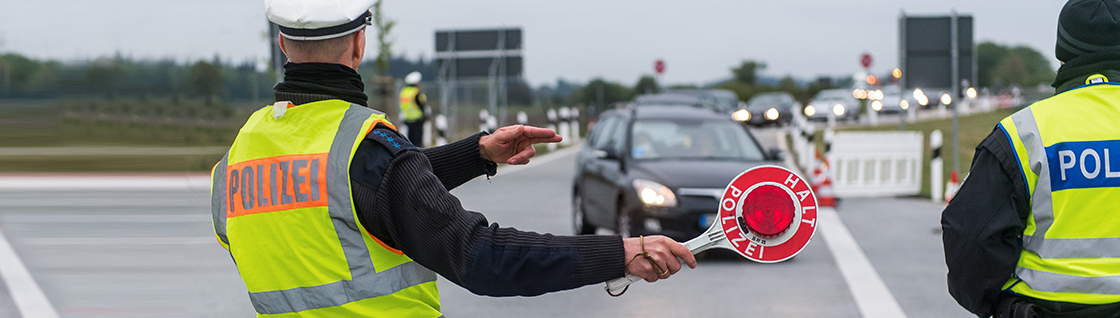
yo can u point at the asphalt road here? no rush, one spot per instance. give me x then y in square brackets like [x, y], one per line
[149, 252]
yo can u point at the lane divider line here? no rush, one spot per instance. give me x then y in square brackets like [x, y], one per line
[105, 183]
[186, 183]
[29, 298]
[872, 296]
[106, 218]
[870, 293]
[130, 241]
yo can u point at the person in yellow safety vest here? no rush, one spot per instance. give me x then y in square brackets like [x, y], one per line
[1034, 230]
[328, 212]
[412, 103]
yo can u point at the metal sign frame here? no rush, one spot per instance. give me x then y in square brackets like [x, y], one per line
[449, 54]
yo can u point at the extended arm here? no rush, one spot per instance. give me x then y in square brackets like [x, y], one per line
[430, 225]
[458, 162]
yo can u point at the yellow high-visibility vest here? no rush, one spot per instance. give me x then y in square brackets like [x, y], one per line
[411, 110]
[1068, 148]
[282, 206]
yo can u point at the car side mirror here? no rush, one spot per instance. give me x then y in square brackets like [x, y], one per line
[606, 154]
[777, 154]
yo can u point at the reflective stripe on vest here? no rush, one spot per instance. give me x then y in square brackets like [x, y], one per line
[272, 188]
[411, 110]
[1064, 146]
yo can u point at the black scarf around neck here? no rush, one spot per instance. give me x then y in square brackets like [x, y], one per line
[335, 80]
[1088, 64]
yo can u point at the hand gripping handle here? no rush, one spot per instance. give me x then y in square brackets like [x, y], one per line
[616, 287]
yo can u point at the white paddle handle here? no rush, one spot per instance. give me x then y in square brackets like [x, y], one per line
[617, 286]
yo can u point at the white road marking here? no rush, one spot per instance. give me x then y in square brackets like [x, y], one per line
[105, 183]
[29, 299]
[117, 218]
[111, 151]
[190, 240]
[870, 293]
[101, 202]
[872, 296]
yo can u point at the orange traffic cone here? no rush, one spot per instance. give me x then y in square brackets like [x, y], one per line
[951, 187]
[823, 187]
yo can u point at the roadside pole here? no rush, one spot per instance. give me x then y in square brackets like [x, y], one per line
[441, 126]
[551, 114]
[935, 167]
[955, 64]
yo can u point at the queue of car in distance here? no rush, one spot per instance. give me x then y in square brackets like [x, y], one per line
[659, 169]
[773, 108]
[892, 99]
[835, 102]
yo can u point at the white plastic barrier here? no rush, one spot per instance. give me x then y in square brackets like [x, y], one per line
[876, 164]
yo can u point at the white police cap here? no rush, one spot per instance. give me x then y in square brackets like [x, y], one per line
[318, 19]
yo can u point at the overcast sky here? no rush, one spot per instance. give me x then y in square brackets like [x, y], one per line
[573, 39]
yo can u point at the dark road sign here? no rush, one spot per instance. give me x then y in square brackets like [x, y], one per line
[926, 46]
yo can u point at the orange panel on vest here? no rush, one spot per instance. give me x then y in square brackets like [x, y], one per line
[276, 183]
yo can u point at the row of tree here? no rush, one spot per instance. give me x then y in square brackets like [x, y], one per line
[998, 66]
[215, 80]
[1002, 66]
[119, 77]
[744, 82]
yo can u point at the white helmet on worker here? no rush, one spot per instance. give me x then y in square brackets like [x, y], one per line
[412, 78]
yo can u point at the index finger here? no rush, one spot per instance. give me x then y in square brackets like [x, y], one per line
[684, 254]
[537, 132]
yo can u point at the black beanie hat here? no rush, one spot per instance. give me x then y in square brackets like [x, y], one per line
[1088, 26]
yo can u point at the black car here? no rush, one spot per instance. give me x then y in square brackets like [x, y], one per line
[774, 108]
[659, 170]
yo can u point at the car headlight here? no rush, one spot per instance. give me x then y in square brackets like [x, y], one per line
[772, 114]
[654, 194]
[946, 99]
[904, 104]
[838, 110]
[810, 110]
[877, 105]
[741, 115]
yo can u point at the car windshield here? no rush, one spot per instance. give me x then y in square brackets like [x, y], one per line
[828, 99]
[692, 139]
[766, 101]
[834, 94]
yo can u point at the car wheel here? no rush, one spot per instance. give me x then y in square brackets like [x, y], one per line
[623, 227]
[579, 219]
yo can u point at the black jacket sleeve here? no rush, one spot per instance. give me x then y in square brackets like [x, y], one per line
[983, 225]
[458, 162]
[412, 210]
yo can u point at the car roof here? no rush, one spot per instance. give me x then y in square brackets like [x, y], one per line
[663, 111]
[671, 98]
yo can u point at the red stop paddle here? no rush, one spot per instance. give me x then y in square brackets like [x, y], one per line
[767, 214]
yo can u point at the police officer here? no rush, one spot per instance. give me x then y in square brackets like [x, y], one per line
[412, 103]
[1034, 230]
[328, 212]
